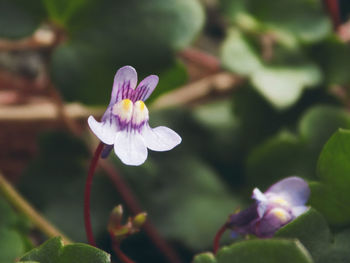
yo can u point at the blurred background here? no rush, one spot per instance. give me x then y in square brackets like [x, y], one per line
[255, 88]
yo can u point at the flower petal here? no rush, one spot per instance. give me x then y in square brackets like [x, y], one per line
[145, 88]
[262, 201]
[130, 148]
[294, 189]
[160, 139]
[105, 131]
[271, 222]
[125, 81]
[298, 210]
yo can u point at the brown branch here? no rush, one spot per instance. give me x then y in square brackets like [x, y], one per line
[202, 59]
[47, 36]
[214, 85]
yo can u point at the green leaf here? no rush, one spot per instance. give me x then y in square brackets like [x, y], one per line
[83, 253]
[206, 257]
[304, 19]
[8, 216]
[333, 55]
[333, 165]
[320, 122]
[48, 252]
[283, 86]
[53, 251]
[280, 79]
[11, 245]
[333, 192]
[311, 230]
[264, 250]
[238, 55]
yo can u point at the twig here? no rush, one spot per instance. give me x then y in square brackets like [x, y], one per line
[202, 59]
[218, 84]
[24, 207]
[47, 36]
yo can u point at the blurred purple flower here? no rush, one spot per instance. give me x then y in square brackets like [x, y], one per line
[125, 122]
[280, 204]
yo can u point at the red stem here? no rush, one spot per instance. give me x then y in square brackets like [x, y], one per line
[87, 218]
[334, 12]
[218, 236]
[124, 258]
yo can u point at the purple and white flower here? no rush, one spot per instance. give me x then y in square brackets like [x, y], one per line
[125, 122]
[280, 204]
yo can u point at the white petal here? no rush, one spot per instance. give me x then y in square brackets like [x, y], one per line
[105, 131]
[160, 139]
[130, 148]
[261, 200]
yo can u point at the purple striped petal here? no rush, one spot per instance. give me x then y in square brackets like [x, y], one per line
[293, 189]
[125, 81]
[145, 88]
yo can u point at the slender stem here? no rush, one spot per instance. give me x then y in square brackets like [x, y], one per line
[132, 204]
[124, 258]
[87, 218]
[218, 236]
[24, 207]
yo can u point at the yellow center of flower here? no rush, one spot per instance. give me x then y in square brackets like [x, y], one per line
[281, 214]
[127, 104]
[123, 109]
[140, 113]
[280, 201]
[141, 104]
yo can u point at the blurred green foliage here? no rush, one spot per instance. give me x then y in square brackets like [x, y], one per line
[278, 123]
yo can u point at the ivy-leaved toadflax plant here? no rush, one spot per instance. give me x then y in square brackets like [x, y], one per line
[125, 122]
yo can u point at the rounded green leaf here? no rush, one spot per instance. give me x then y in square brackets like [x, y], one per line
[11, 245]
[334, 165]
[311, 230]
[263, 251]
[83, 253]
[48, 252]
[238, 55]
[283, 86]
